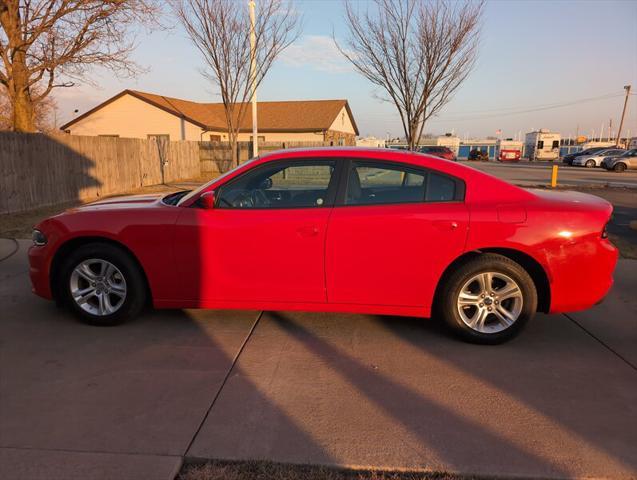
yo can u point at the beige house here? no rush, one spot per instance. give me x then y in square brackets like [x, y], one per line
[142, 115]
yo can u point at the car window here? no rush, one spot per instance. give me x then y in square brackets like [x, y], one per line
[370, 184]
[440, 188]
[281, 185]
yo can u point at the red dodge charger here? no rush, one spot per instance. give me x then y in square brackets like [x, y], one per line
[344, 230]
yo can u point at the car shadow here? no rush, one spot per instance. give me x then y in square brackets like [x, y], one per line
[144, 387]
[457, 439]
[559, 375]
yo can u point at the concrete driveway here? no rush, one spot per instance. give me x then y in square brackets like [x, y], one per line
[131, 402]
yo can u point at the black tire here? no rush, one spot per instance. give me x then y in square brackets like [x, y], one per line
[619, 167]
[590, 164]
[447, 302]
[135, 298]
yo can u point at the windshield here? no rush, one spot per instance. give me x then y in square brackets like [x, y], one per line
[196, 191]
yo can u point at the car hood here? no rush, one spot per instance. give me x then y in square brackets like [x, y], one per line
[119, 203]
[570, 200]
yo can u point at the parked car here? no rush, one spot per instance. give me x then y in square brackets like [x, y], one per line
[595, 160]
[568, 159]
[625, 161]
[478, 155]
[341, 230]
[442, 152]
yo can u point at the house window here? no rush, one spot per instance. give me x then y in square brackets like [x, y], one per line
[215, 138]
[260, 137]
[159, 136]
[556, 144]
[342, 119]
[540, 144]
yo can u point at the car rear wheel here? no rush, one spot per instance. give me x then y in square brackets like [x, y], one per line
[102, 284]
[619, 167]
[590, 164]
[488, 299]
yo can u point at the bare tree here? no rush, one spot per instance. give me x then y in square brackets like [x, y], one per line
[46, 44]
[417, 51]
[220, 30]
[44, 113]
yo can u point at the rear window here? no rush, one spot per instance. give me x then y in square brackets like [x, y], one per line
[440, 188]
[372, 183]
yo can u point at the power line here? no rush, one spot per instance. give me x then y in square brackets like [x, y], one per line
[505, 113]
[546, 105]
[498, 112]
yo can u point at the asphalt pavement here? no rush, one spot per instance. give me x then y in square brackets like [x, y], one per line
[539, 173]
[136, 400]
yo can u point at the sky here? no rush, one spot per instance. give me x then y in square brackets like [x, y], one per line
[533, 56]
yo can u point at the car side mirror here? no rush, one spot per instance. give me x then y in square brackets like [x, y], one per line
[207, 200]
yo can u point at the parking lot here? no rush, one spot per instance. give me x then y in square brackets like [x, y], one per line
[135, 401]
[539, 173]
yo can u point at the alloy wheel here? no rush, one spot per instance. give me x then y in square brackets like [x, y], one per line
[490, 302]
[98, 287]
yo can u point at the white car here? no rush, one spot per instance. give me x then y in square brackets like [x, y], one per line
[596, 159]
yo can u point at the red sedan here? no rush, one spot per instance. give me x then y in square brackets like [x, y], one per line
[438, 151]
[344, 230]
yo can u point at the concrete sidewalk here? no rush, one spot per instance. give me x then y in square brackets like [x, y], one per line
[350, 390]
[120, 402]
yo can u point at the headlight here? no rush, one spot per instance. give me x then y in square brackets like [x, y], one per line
[38, 237]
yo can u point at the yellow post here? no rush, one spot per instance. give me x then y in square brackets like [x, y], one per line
[554, 177]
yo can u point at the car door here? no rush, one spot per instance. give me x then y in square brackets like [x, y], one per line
[265, 238]
[395, 231]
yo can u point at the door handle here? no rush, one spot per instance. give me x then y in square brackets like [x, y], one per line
[445, 224]
[308, 231]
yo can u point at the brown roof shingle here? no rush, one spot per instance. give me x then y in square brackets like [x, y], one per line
[290, 116]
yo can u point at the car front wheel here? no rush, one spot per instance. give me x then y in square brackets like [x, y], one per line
[488, 299]
[102, 284]
[590, 164]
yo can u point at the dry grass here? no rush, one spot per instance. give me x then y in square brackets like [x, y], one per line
[262, 470]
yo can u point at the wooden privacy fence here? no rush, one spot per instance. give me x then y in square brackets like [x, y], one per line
[216, 157]
[39, 170]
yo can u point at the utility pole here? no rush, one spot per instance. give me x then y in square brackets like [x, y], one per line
[621, 123]
[253, 77]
